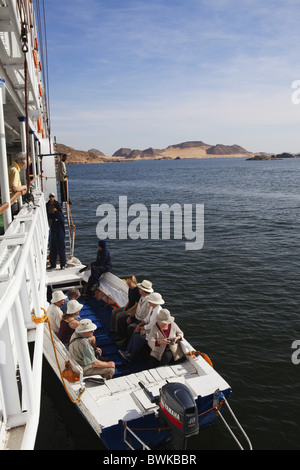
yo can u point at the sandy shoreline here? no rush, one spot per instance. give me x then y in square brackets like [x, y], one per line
[178, 156]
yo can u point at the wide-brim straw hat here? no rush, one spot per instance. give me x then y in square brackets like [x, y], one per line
[57, 296]
[164, 316]
[146, 286]
[155, 298]
[73, 307]
[85, 326]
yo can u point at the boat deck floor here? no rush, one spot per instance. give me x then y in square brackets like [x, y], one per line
[69, 276]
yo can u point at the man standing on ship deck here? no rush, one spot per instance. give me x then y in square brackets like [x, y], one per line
[15, 184]
[57, 240]
[62, 177]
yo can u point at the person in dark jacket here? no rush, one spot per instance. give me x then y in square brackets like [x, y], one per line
[100, 266]
[50, 204]
[57, 241]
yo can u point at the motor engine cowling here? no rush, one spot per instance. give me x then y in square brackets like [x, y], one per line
[179, 411]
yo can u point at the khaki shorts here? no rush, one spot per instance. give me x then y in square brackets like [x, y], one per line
[106, 372]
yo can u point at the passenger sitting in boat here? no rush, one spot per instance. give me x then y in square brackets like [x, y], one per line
[54, 311]
[68, 322]
[83, 352]
[99, 295]
[163, 341]
[142, 310]
[100, 266]
[72, 294]
[139, 338]
[133, 299]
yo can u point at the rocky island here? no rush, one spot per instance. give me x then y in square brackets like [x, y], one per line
[279, 156]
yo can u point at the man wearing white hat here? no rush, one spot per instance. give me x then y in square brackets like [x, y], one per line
[83, 352]
[155, 301]
[54, 311]
[141, 332]
[142, 310]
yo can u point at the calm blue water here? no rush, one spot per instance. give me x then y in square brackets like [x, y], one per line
[238, 297]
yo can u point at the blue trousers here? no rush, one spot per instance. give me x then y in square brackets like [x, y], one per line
[135, 345]
[57, 248]
[96, 272]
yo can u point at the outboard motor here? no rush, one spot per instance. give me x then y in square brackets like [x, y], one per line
[178, 410]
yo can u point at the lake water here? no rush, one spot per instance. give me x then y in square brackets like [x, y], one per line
[237, 299]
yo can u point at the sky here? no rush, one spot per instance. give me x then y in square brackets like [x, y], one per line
[152, 73]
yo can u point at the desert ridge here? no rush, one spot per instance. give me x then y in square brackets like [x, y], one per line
[194, 149]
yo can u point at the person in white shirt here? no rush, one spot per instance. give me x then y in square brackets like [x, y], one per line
[133, 318]
[139, 337]
[54, 311]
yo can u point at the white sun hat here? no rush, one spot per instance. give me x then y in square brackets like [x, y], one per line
[146, 286]
[85, 326]
[73, 307]
[164, 316]
[57, 296]
[155, 298]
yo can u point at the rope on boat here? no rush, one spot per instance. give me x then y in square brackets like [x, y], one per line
[195, 354]
[237, 422]
[68, 373]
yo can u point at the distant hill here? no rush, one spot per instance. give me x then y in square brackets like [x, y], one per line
[122, 152]
[190, 144]
[129, 153]
[190, 149]
[96, 153]
[81, 156]
[226, 150]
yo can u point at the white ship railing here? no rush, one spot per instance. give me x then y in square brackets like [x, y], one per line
[23, 256]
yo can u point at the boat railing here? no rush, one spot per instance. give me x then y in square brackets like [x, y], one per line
[23, 254]
[70, 227]
[61, 357]
[5, 206]
[127, 428]
[70, 230]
